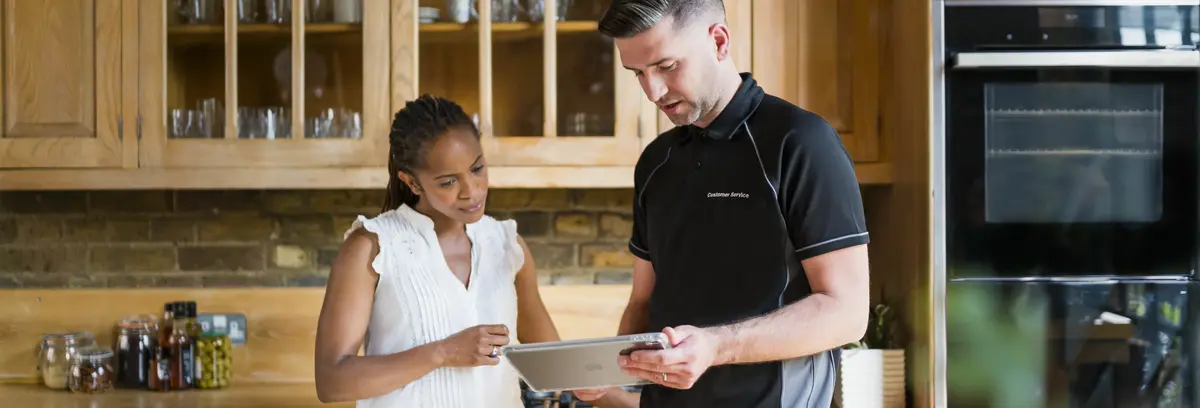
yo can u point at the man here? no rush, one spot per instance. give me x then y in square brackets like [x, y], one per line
[748, 226]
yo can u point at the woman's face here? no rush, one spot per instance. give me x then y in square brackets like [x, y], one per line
[453, 180]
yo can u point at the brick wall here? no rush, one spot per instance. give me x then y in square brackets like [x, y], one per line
[270, 238]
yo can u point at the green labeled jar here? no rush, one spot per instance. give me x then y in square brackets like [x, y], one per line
[213, 361]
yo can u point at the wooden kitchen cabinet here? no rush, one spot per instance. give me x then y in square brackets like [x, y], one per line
[825, 56]
[547, 88]
[225, 85]
[137, 94]
[62, 88]
[822, 55]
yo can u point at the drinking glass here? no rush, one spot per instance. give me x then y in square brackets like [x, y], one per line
[181, 123]
[277, 11]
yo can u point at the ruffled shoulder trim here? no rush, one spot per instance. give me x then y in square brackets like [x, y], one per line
[514, 256]
[382, 227]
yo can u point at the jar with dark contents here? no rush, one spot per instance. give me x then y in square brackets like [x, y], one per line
[135, 343]
[92, 371]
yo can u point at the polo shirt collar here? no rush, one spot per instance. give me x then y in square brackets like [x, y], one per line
[739, 109]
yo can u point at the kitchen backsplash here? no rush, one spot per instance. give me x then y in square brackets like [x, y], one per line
[271, 238]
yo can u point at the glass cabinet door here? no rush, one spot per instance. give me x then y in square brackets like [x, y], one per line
[547, 88]
[224, 85]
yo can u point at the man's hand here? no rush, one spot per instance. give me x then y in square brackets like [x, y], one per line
[693, 351]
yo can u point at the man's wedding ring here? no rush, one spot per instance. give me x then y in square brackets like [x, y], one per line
[664, 377]
[495, 351]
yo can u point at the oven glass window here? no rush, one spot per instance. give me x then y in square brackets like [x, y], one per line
[1073, 152]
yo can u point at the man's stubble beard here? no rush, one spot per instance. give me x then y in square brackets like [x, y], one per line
[696, 110]
[705, 102]
[690, 117]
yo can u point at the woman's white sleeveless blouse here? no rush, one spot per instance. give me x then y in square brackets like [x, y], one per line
[419, 300]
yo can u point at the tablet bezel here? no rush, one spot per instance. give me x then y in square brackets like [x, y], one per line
[634, 341]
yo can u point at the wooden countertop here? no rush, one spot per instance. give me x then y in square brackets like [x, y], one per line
[301, 395]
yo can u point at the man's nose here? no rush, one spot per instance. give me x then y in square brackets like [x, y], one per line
[655, 88]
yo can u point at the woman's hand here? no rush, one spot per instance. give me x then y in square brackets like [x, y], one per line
[474, 346]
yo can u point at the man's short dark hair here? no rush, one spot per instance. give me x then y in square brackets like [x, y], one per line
[627, 18]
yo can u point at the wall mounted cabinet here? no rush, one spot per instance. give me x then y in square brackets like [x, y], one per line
[214, 94]
[61, 104]
[227, 90]
[828, 60]
[548, 88]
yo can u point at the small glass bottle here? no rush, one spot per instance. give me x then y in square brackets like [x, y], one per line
[194, 328]
[195, 331]
[182, 361]
[160, 376]
[91, 371]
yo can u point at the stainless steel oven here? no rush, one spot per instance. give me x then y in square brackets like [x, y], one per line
[1072, 138]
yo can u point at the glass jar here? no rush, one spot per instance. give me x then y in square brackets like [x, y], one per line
[55, 354]
[91, 371]
[134, 349]
[213, 361]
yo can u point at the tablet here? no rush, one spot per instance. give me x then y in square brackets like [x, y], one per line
[579, 364]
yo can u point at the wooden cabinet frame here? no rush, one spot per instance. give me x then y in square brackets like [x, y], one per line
[817, 71]
[128, 148]
[619, 149]
[83, 125]
[159, 151]
[831, 64]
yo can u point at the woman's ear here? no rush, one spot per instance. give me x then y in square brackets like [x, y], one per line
[409, 181]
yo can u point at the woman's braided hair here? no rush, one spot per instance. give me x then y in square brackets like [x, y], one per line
[421, 121]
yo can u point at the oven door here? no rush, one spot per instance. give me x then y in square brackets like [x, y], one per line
[1113, 344]
[1072, 163]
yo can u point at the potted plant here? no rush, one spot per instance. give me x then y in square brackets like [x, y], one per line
[872, 370]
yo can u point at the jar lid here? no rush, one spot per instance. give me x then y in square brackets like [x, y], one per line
[68, 337]
[137, 322]
[93, 354]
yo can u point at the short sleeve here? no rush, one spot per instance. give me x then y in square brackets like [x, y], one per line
[514, 256]
[637, 240]
[373, 226]
[820, 197]
[639, 243]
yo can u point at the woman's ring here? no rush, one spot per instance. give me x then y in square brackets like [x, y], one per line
[664, 378]
[495, 351]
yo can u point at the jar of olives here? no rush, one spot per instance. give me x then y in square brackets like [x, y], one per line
[213, 361]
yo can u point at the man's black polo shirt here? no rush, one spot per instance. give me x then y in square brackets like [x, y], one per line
[726, 213]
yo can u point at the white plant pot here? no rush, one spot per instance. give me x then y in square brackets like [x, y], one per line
[871, 379]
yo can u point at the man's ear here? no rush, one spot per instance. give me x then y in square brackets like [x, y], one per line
[409, 181]
[720, 37]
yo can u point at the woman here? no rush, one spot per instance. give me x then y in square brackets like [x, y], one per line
[432, 286]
